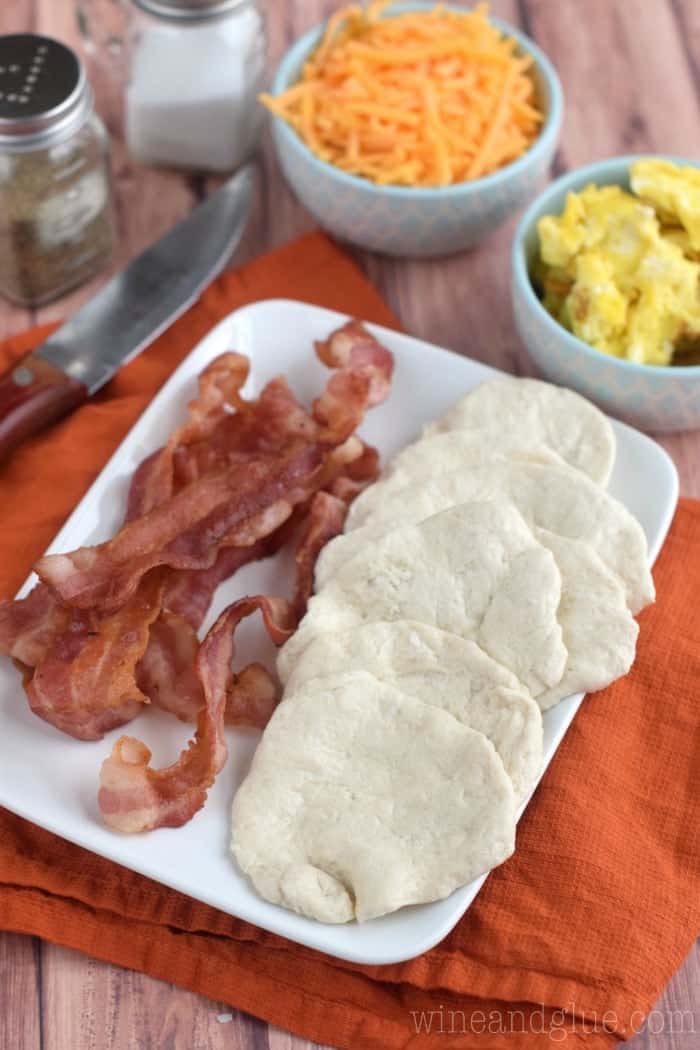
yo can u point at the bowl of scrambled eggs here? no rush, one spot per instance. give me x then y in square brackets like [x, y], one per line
[606, 287]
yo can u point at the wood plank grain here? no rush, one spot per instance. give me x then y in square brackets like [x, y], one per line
[18, 16]
[687, 14]
[674, 1023]
[89, 1005]
[20, 992]
[625, 75]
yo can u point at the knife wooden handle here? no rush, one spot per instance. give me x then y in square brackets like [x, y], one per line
[33, 394]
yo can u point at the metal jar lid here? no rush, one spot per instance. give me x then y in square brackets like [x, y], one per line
[44, 92]
[189, 10]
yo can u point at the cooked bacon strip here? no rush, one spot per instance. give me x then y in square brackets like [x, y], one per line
[352, 346]
[168, 676]
[253, 692]
[356, 476]
[132, 796]
[80, 668]
[150, 485]
[233, 509]
[201, 515]
[188, 531]
[366, 368]
[167, 673]
[253, 698]
[219, 387]
[188, 592]
[267, 425]
[63, 643]
[85, 682]
[325, 520]
[29, 626]
[215, 436]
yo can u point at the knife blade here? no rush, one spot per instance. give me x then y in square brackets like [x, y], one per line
[125, 316]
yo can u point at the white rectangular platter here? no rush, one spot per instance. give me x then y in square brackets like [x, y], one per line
[51, 779]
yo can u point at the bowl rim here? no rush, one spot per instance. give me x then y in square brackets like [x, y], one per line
[615, 166]
[547, 137]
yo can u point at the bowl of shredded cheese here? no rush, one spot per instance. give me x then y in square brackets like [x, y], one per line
[414, 129]
[606, 287]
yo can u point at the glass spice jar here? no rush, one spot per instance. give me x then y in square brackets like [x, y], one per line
[56, 215]
[190, 72]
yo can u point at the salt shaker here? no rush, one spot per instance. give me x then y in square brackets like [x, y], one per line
[191, 71]
[56, 215]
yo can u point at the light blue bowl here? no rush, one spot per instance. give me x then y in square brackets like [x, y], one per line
[399, 220]
[648, 396]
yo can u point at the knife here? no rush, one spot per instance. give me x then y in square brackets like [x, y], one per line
[127, 314]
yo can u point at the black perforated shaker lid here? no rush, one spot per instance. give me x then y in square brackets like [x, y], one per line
[43, 88]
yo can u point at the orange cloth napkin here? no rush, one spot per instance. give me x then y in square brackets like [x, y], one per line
[572, 939]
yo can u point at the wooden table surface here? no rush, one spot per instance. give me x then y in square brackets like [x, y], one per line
[631, 77]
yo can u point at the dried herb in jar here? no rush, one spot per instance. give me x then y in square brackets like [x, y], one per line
[56, 216]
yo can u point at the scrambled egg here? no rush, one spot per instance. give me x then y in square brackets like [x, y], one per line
[622, 270]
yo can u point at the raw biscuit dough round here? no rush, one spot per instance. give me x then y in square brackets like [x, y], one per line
[444, 670]
[361, 800]
[475, 570]
[535, 412]
[548, 495]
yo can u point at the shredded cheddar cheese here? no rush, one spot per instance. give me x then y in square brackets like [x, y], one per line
[428, 98]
